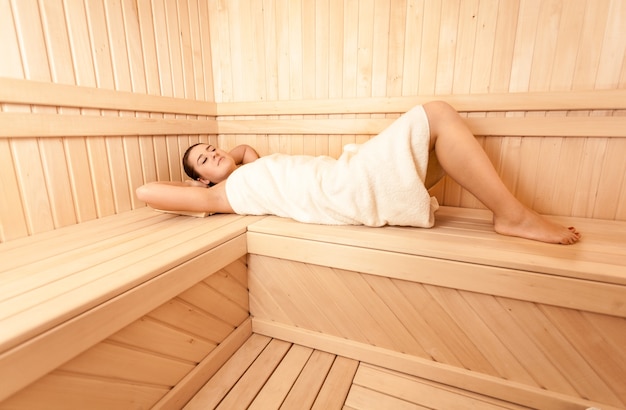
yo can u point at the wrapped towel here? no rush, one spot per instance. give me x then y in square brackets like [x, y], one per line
[380, 182]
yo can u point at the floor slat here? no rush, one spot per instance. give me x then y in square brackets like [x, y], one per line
[272, 374]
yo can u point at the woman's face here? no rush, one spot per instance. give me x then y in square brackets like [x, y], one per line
[211, 163]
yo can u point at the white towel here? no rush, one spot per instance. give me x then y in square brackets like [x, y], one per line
[380, 182]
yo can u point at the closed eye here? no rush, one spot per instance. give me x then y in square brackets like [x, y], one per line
[202, 158]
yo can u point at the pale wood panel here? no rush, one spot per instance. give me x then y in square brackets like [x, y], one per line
[54, 125]
[148, 355]
[189, 318]
[311, 379]
[209, 300]
[477, 102]
[111, 46]
[20, 91]
[156, 336]
[34, 60]
[233, 281]
[584, 378]
[574, 325]
[441, 47]
[499, 337]
[62, 391]
[209, 366]
[411, 392]
[220, 384]
[119, 362]
[361, 398]
[85, 178]
[93, 308]
[522, 126]
[269, 373]
[432, 48]
[510, 392]
[282, 379]
[516, 269]
[336, 387]
[14, 223]
[313, 373]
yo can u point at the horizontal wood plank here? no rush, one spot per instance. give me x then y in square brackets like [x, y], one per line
[20, 125]
[532, 101]
[18, 91]
[590, 295]
[600, 256]
[489, 126]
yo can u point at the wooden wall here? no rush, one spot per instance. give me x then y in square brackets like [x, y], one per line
[281, 49]
[223, 51]
[157, 49]
[325, 49]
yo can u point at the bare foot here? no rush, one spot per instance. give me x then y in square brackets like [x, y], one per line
[531, 225]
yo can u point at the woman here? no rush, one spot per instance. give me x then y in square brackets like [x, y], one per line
[435, 129]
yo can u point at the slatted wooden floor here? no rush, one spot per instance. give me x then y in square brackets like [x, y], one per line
[268, 373]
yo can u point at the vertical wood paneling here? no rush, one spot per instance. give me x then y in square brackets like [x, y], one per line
[159, 47]
[408, 47]
[284, 50]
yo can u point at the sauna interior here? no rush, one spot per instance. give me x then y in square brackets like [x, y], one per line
[106, 303]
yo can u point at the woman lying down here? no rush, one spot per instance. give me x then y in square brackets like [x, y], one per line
[384, 181]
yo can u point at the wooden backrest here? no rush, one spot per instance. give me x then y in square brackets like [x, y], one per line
[561, 153]
[71, 154]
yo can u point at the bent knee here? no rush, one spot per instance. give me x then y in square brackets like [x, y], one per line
[438, 108]
[440, 114]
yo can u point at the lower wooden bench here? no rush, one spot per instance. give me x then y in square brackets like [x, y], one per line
[535, 324]
[142, 309]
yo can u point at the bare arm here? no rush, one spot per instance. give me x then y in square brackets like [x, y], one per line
[193, 196]
[185, 196]
[243, 154]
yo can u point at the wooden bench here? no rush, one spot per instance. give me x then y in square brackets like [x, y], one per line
[141, 293]
[535, 324]
[392, 297]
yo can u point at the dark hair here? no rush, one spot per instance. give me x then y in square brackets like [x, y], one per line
[189, 169]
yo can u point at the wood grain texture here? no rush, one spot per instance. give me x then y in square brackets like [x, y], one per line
[524, 345]
[144, 360]
[148, 69]
[435, 49]
[484, 318]
[97, 64]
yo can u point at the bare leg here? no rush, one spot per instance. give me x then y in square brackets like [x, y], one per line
[464, 160]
